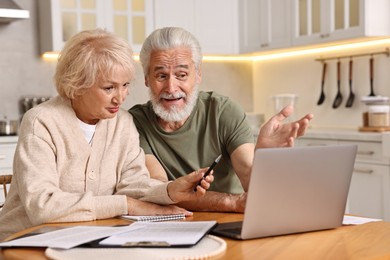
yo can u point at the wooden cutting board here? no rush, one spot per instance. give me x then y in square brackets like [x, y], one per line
[373, 129]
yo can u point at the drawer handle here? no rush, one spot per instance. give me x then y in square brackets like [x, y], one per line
[365, 152]
[316, 144]
[2, 157]
[363, 171]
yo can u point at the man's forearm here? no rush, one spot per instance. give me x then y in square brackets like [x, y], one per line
[216, 201]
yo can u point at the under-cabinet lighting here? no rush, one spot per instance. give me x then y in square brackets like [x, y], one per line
[228, 58]
[50, 56]
[9, 14]
[273, 55]
[321, 50]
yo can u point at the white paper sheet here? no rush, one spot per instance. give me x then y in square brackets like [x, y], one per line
[353, 220]
[173, 233]
[66, 238]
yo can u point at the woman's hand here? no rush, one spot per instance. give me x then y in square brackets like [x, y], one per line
[138, 208]
[276, 134]
[182, 189]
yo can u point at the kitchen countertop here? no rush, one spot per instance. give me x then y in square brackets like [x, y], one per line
[341, 134]
[8, 139]
[319, 133]
[344, 134]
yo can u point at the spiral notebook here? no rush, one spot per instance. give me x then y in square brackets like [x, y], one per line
[154, 218]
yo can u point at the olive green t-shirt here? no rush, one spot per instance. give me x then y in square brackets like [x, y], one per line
[216, 126]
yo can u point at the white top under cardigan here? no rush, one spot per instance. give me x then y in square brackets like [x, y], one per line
[88, 130]
[59, 177]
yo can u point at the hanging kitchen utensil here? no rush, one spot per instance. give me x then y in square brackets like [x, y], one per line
[322, 95]
[372, 94]
[339, 98]
[351, 97]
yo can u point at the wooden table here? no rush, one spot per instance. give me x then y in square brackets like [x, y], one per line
[368, 241]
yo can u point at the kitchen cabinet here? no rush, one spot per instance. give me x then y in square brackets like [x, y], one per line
[7, 150]
[213, 22]
[61, 19]
[265, 25]
[369, 193]
[221, 26]
[323, 21]
[247, 26]
[242, 26]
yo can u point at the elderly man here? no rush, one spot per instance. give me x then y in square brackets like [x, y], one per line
[183, 129]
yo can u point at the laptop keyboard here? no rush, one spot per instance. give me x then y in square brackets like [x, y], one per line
[236, 230]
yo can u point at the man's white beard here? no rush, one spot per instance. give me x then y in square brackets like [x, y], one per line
[174, 114]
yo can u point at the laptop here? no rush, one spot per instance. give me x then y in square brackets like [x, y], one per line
[294, 190]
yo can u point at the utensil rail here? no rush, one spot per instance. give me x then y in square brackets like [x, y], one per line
[386, 52]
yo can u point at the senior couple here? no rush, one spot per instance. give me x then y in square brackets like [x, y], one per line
[80, 157]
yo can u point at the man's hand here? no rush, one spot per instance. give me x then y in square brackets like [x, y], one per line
[182, 189]
[276, 134]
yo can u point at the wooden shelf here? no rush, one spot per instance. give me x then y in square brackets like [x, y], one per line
[373, 129]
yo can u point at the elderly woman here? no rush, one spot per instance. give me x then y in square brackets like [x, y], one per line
[78, 156]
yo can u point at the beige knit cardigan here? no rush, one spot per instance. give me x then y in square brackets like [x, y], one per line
[59, 177]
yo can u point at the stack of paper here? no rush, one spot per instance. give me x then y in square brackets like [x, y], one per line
[139, 234]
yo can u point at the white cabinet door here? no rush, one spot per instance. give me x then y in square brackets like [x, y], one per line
[175, 13]
[7, 151]
[369, 152]
[264, 25]
[308, 21]
[59, 20]
[369, 193]
[2, 197]
[321, 21]
[216, 26]
[314, 142]
[213, 22]
[131, 20]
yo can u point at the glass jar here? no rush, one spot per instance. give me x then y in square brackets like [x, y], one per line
[378, 107]
[378, 116]
[282, 100]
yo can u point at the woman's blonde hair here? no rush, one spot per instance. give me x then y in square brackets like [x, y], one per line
[88, 57]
